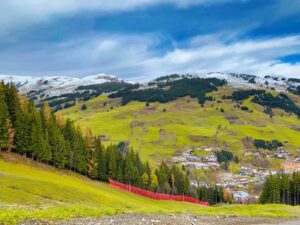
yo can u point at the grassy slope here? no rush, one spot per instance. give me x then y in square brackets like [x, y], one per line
[157, 134]
[29, 190]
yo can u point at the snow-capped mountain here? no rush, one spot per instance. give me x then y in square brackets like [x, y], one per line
[55, 85]
[44, 87]
[279, 83]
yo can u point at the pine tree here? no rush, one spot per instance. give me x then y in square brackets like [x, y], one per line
[69, 133]
[58, 146]
[112, 162]
[145, 180]
[91, 151]
[23, 133]
[13, 103]
[4, 116]
[39, 146]
[96, 157]
[81, 156]
[153, 182]
[163, 178]
[102, 167]
[10, 135]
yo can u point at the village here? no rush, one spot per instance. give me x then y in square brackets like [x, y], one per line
[249, 176]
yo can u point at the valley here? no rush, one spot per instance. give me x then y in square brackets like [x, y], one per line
[219, 143]
[33, 191]
[164, 131]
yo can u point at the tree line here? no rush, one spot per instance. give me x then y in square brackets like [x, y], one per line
[171, 90]
[270, 145]
[48, 138]
[83, 93]
[240, 95]
[281, 101]
[281, 188]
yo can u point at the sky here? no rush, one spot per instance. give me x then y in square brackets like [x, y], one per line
[143, 39]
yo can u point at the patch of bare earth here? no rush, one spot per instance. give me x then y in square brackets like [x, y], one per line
[140, 219]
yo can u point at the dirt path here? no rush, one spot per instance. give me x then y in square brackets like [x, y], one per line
[141, 219]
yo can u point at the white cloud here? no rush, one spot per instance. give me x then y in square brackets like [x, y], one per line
[248, 56]
[133, 56]
[19, 14]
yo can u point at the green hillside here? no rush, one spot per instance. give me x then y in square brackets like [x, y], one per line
[29, 190]
[160, 130]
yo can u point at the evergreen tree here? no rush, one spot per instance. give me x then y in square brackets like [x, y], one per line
[13, 103]
[102, 167]
[281, 188]
[112, 162]
[81, 156]
[153, 182]
[163, 178]
[4, 116]
[58, 146]
[40, 149]
[96, 157]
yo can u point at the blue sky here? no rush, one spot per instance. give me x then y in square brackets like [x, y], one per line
[142, 39]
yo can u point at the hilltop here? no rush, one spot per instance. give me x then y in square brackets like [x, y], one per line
[64, 91]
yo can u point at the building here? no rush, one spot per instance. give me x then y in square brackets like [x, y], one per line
[290, 167]
[210, 158]
[240, 197]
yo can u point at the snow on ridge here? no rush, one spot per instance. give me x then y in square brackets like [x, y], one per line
[56, 85]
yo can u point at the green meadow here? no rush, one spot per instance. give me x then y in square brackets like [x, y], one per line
[161, 130]
[33, 191]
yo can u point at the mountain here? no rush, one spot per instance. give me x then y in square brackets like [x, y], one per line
[226, 131]
[56, 85]
[239, 80]
[189, 119]
[62, 91]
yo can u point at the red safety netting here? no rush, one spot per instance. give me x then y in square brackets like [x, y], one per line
[157, 196]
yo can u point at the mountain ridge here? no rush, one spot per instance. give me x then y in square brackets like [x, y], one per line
[26, 83]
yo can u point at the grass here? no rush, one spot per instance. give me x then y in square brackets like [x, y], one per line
[32, 191]
[158, 135]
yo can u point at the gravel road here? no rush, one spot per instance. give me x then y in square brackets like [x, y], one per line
[141, 219]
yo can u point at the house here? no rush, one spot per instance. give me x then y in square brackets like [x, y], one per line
[240, 197]
[192, 158]
[196, 165]
[213, 165]
[210, 158]
[290, 167]
[178, 159]
[208, 148]
[200, 184]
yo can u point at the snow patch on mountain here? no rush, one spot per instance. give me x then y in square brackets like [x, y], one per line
[56, 85]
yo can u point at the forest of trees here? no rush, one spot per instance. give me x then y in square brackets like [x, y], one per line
[281, 188]
[294, 89]
[83, 93]
[169, 91]
[281, 101]
[48, 138]
[270, 145]
[244, 94]
[295, 80]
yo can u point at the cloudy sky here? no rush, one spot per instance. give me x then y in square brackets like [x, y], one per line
[147, 38]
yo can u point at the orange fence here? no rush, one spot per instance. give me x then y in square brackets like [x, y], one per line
[157, 196]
